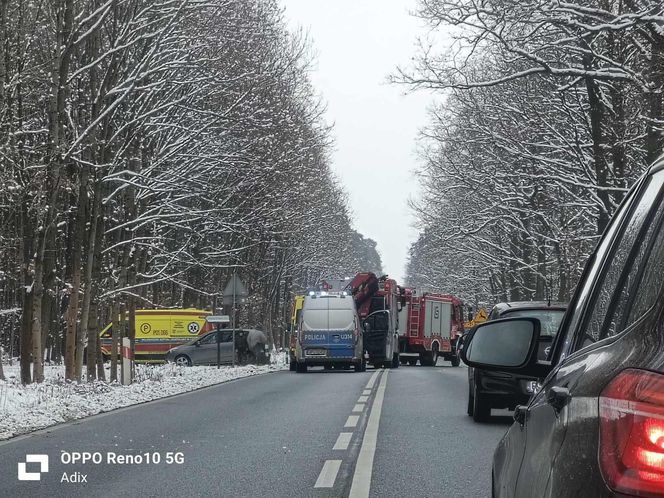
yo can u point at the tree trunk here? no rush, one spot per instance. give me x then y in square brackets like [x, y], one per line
[88, 306]
[26, 301]
[115, 338]
[596, 111]
[655, 133]
[2, 373]
[92, 331]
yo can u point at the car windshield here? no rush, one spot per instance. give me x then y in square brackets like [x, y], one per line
[328, 319]
[549, 319]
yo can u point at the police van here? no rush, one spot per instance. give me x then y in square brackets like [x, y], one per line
[329, 333]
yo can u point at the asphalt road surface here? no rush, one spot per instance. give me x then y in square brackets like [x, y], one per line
[381, 433]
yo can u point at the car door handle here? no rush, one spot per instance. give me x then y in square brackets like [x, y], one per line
[557, 397]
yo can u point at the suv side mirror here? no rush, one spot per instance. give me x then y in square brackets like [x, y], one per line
[507, 345]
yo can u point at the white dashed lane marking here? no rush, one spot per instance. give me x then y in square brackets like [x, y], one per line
[352, 421]
[328, 474]
[343, 441]
[330, 470]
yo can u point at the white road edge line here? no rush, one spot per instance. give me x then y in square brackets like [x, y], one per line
[343, 441]
[364, 467]
[352, 421]
[363, 399]
[372, 380]
[366, 392]
[359, 408]
[328, 474]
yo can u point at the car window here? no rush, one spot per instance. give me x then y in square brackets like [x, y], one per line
[651, 280]
[549, 319]
[226, 336]
[333, 319]
[208, 339]
[609, 309]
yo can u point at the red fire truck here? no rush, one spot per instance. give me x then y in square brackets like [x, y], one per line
[432, 323]
[378, 304]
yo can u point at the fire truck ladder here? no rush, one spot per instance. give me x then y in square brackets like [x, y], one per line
[415, 320]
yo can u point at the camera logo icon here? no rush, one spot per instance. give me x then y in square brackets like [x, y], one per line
[24, 475]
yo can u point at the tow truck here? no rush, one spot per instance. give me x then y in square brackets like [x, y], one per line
[378, 303]
[434, 322]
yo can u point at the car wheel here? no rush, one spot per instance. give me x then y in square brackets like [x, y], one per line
[434, 355]
[481, 408]
[412, 361]
[456, 361]
[395, 361]
[183, 360]
[301, 368]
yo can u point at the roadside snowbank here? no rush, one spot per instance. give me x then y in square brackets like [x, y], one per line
[28, 408]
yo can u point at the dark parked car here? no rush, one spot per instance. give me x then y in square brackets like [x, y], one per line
[250, 346]
[489, 389]
[596, 426]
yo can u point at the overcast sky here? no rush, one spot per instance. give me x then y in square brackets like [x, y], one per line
[358, 45]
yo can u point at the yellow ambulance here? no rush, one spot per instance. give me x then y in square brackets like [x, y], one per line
[157, 331]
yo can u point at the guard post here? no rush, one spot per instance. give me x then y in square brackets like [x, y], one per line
[127, 358]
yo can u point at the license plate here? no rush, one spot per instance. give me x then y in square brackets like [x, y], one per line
[316, 352]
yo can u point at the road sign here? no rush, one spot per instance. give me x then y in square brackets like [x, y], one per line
[235, 291]
[218, 319]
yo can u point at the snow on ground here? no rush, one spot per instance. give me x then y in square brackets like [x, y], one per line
[28, 408]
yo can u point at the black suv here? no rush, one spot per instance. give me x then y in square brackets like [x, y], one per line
[489, 389]
[596, 426]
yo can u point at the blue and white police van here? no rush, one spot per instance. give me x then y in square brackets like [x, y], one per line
[329, 333]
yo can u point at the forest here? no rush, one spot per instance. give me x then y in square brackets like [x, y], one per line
[148, 150]
[546, 113]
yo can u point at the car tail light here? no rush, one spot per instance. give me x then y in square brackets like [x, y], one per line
[631, 449]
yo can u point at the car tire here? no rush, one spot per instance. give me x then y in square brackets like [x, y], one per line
[434, 354]
[301, 368]
[481, 408]
[183, 360]
[412, 361]
[395, 360]
[456, 361]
